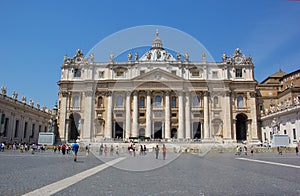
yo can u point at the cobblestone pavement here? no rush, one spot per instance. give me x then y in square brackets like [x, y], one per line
[187, 174]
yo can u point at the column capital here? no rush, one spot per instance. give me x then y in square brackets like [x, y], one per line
[149, 92]
[252, 94]
[88, 93]
[135, 93]
[64, 93]
[206, 93]
[128, 93]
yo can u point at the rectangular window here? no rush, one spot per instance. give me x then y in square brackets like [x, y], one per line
[238, 73]
[16, 128]
[5, 127]
[294, 134]
[196, 115]
[120, 73]
[174, 114]
[195, 73]
[77, 73]
[214, 74]
[101, 74]
[25, 130]
[142, 114]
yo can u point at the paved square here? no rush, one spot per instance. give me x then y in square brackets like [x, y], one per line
[185, 174]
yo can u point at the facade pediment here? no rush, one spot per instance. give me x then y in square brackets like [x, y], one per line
[158, 75]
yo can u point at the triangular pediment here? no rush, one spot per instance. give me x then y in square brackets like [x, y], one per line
[158, 75]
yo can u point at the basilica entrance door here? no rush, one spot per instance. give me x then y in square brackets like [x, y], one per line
[196, 130]
[118, 129]
[74, 127]
[241, 127]
[157, 130]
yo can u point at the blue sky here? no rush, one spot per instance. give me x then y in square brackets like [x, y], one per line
[35, 35]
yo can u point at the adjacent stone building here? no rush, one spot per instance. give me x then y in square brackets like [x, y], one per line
[158, 96]
[21, 122]
[279, 106]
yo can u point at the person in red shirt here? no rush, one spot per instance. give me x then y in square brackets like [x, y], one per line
[164, 151]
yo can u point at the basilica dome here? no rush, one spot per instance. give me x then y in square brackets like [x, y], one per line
[157, 52]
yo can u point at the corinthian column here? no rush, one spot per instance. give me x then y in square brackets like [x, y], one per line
[167, 116]
[108, 132]
[187, 116]
[148, 115]
[180, 116]
[206, 116]
[128, 116]
[135, 115]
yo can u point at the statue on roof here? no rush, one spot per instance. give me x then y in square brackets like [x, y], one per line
[79, 53]
[65, 59]
[224, 57]
[178, 56]
[204, 57]
[92, 57]
[129, 57]
[15, 95]
[149, 54]
[111, 57]
[158, 54]
[186, 57]
[31, 103]
[23, 99]
[136, 56]
[3, 90]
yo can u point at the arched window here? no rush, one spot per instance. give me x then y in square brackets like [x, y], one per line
[216, 101]
[76, 101]
[240, 102]
[174, 102]
[120, 101]
[158, 100]
[100, 101]
[196, 101]
[142, 102]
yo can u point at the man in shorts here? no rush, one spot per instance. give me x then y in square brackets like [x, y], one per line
[75, 148]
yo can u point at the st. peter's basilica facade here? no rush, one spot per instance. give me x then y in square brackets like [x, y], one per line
[158, 96]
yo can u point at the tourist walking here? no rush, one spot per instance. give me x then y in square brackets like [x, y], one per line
[87, 150]
[105, 150]
[145, 150]
[251, 150]
[297, 150]
[75, 148]
[164, 151]
[141, 150]
[63, 149]
[101, 150]
[245, 150]
[156, 151]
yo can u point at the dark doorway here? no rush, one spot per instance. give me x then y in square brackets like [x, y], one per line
[118, 129]
[174, 133]
[196, 130]
[157, 130]
[142, 133]
[74, 127]
[241, 127]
